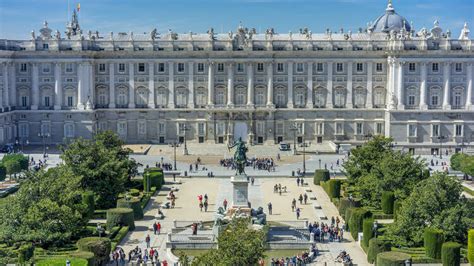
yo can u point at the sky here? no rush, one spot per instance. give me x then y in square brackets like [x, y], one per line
[19, 17]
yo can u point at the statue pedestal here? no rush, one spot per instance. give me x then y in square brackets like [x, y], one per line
[240, 188]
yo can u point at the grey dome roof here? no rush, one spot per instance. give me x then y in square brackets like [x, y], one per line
[390, 21]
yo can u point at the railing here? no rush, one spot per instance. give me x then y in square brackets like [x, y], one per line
[457, 107]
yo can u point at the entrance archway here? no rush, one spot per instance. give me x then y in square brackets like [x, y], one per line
[240, 131]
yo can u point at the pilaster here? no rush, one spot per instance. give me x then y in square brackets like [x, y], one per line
[329, 85]
[3, 99]
[447, 85]
[58, 87]
[210, 85]
[12, 86]
[131, 85]
[469, 105]
[270, 85]
[191, 85]
[80, 86]
[35, 87]
[230, 85]
[111, 85]
[349, 85]
[423, 93]
[400, 86]
[151, 84]
[171, 84]
[250, 86]
[370, 89]
[310, 86]
[290, 85]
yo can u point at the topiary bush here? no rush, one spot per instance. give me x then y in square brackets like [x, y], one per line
[99, 246]
[25, 253]
[321, 175]
[120, 216]
[367, 230]
[156, 177]
[451, 254]
[392, 258]
[133, 204]
[396, 206]
[388, 200]
[470, 246]
[88, 200]
[356, 219]
[134, 192]
[334, 187]
[376, 246]
[433, 240]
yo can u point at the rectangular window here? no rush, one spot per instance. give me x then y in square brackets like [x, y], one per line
[45, 129]
[435, 67]
[339, 67]
[458, 67]
[300, 127]
[435, 130]
[101, 68]
[122, 128]
[359, 67]
[319, 67]
[220, 67]
[121, 68]
[180, 67]
[69, 130]
[240, 67]
[412, 67]
[23, 67]
[23, 130]
[200, 68]
[359, 128]
[161, 67]
[379, 67]
[320, 128]
[458, 130]
[220, 129]
[141, 67]
[68, 68]
[412, 130]
[45, 46]
[299, 67]
[339, 128]
[141, 128]
[161, 129]
[201, 129]
[46, 101]
[379, 128]
[102, 126]
[69, 101]
[279, 129]
[24, 101]
[260, 67]
[260, 128]
[280, 67]
[411, 100]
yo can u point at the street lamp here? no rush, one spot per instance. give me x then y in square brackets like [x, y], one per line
[304, 156]
[441, 138]
[294, 128]
[44, 136]
[174, 145]
[185, 129]
[320, 163]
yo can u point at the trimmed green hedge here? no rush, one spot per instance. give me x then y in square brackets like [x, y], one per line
[376, 246]
[367, 230]
[88, 200]
[61, 261]
[433, 240]
[470, 246]
[388, 200]
[321, 175]
[392, 258]
[120, 216]
[156, 177]
[25, 253]
[396, 206]
[347, 217]
[100, 246]
[119, 237]
[134, 192]
[356, 219]
[133, 204]
[88, 256]
[451, 254]
[334, 186]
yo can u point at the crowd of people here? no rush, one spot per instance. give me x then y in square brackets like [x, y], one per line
[266, 164]
[303, 258]
[136, 255]
[332, 231]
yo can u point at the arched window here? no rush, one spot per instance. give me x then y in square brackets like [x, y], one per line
[300, 96]
[319, 97]
[412, 97]
[240, 95]
[260, 96]
[162, 97]
[122, 99]
[220, 98]
[458, 98]
[280, 97]
[379, 97]
[141, 99]
[201, 97]
[435, 97]
[181, 97]
[360, 97]
[340, 97]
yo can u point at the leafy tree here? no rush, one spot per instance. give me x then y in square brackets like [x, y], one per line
[467, 165]
[440, 205]
[3, 172]
[12, 167]
[238, 244]
[456, 160]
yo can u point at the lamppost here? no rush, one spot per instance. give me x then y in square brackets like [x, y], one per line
[319, 163]
[174, 145]
[100, 229]
[294, 128]
[304, 156]
[185, 129]
[441, 138]
[44, 136]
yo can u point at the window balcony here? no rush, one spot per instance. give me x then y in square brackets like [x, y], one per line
[319, 106]
[339, 106]
[101, 106]
[411, 107]
[280, 106]
[457, 107]
[45, 108]
[434, 107]
[380, 106]
[122, 106]
[141, 106]
[359, 106]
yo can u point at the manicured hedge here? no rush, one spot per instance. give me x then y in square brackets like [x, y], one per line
[88, 200]
[367, 230]
[470, 246]
[88, 256]
[134, 192]
[388, 199]
[392, 258]
[345, 203]
[376, 246]
[355, 222]
[100, 246]
[120, 216]
[25, 253]
[133, 204]
[451, 254]
[396, 206]
[3, 172]
[334, 186]
[119, 237]
[347, 217]
[321, 175]
[156, 177]
[433, 240]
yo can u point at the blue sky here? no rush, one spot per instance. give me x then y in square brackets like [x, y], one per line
[19, 17]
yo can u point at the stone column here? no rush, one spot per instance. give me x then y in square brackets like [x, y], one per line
[329, 85]
[3, 100]
[12, 87]
[250, 86]
[270, 85]
[131, 85]
[91, 80]
[290, 85]
[310, 86]
[447, 85]
[391, 94]
[370, 89]
[171, 84]
[111, 85]
[469, 104]
[349, 85]
[35, 87]
[80, 86]
[58, 87]
[230, 85]
[423, 94]
[191, 85]
[400, 87]
[210, 85]
[151, 84]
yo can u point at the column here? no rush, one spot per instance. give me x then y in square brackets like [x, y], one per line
[250, 87]
[5, 86]
[230, 85]
[191, 85]
[151, 84]
[270, 85]
[111, 85]
[131, 85]
[290, 85]
[58, 87]
[310, 86]
[35, 87]
[91, 89]
[210, 85]
[329, 85]
[447, 85]
[469, 104]
[12, 87]
[171, 85]
[391, 82]
[370, 89]
[80, 86]
[349, 85]
[400, 86]
[423, 105]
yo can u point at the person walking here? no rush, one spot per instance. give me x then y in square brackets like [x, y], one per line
[270, 208]
[147, 240]
[298, 181]
[298, 212]
[300, 198]
[205, 205]
[305, 198]
[293, 205]
[200, 206]
[158, 227]
[225, 204]
[252, 180]
[154, 228]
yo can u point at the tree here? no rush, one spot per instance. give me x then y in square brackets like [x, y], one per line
[238, 244]
[456, 160]
[15, 163]
[439, 204]
[467, 165]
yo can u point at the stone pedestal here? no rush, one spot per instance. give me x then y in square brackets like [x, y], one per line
[240, 192]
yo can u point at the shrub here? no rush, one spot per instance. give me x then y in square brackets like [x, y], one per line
[433, 240]
[21, 160]
[345, 204]
[100, 246]
[388, 199]
[396, 206]
[133, 204]
[355, 222]
[86, 255]
[156, 177]
[392, 258]
[334, 186]
[451, 254]
[119, 236]
[347, 217]
[376, 246]
[470, 246]
[145, 199]
[120, 216]
[88, 200]
[321, 175]
[134, 192]
[3, 172]
[367, 230]
[456, 160]
[25, 253]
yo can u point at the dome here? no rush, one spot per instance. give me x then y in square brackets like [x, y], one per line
[390, 21]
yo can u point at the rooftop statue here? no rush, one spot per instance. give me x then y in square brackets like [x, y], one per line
[240, 155]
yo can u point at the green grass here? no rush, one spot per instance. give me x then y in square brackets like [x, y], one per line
[60, 261]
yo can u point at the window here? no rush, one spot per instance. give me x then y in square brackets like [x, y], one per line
[68, 68]
[46, 101]
[412, 67]
[359, 67]
[458, 67]
[260, 128]
[412, 130]
[102, 125]
[161, 129]
[435, 100]
[359, 128]
[45, 129]
[102, 99]
[339, 128]
[161, 67]
[201, 97]
[339, 67]
[46, 68]
[220, 67]
[240, 67]
[411, 100]
[240, 96]
[24, 101]
[458, 130]
[181, 98]
[319, 67]
[300, 99]
[379, 97]
[434, 130]
[220, 128]
[379, 67]
[299, 67]
[320, 128]
[122, 128]
[200, 68]
[300, 127]
[122, 97]
[260, 98]
[279, 129]
[180, 67]
[339, 98]
[161, 97]
[280, 67]
[102, 68]
[69, 130]
[141, 67]
[121, 68]
[260, 67]
[23, 128]
[319, 98]
[23, 67]
[70, 101]
[45, 46]
[379, 128]
[435, 67]
[457, 99]
[201, 129]
[142, 97]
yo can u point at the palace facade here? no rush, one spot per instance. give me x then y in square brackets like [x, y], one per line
[339, 87]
